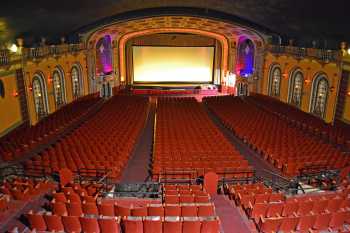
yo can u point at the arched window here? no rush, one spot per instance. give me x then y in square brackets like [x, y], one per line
[76, 82]
[59, 87]
[40, 96]
[296, 88]
[2, 89]
[319, 96]
[275, 81]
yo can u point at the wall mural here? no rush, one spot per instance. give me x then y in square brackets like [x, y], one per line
[104, 56]
[245, 59]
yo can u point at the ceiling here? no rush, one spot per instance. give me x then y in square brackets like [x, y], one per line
[327, 22]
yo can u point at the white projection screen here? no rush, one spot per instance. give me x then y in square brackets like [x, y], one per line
[173, 64]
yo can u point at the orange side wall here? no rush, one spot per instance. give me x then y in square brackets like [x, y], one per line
[10, 111]
[310, 69]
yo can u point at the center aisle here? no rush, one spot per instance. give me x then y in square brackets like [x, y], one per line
[231, 220]
[137, 169]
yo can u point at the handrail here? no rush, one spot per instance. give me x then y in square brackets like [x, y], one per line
[324, 55]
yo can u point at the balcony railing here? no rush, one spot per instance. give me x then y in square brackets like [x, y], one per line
[319, 54]
[7, 58]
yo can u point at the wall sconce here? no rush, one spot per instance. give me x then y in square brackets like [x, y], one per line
[348, 93]
[49, 79]
[307, 81]
[30, 88]
[331, 89]
[14, 93]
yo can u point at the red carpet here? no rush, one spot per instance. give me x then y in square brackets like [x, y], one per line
[231, 220]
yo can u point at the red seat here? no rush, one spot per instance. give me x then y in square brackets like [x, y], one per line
[289, 224]
[74, 209]
[322, 222]
[152, 225]
[90, 208]
[268, 225]
[133, 225]
[59, 197]
[290, 208]
[109, 224]
[274, 209]
[191, 225]
[206, 210]
[259, 209]
[106, 209]
[306, 223]
[89, 225]
[59, 208]
[172, 210]
[305, 208]
[155, 210]
[141, 212]
[54, 223]
[172, 225]
[71, 224]
[36, 221]
[186, 198]
[201, 199]
[338, 219]
[171, 199]
[122, 211]
[189, 211]
[210, 226]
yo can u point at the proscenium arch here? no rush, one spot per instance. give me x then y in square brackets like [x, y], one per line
[123, 40]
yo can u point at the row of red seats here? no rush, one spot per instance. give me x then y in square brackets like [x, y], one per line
[24, 189]
[103, 224]
[23, 139]
[338, 133]
[306, 213]
[108, 209]
[186, 138]
[104, 142]
[284, 146]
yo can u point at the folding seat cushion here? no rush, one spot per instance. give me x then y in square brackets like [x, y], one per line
[206, 210]
[172, 225]
[36, 221]
[268, 225]
[109, 224]
[171, 192]
[289, 224]
[141, 212]
[132, 224]
[54, 222]
[71, 224]
[172, 210]
[210, 225]
[155, 210]
[185, 192]
[106, 209]
[152, 224]
[191, 225]
[171, 199]
[306, 223]
[122, 211]
[74, 209]
[59, 208]
[189, 211]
